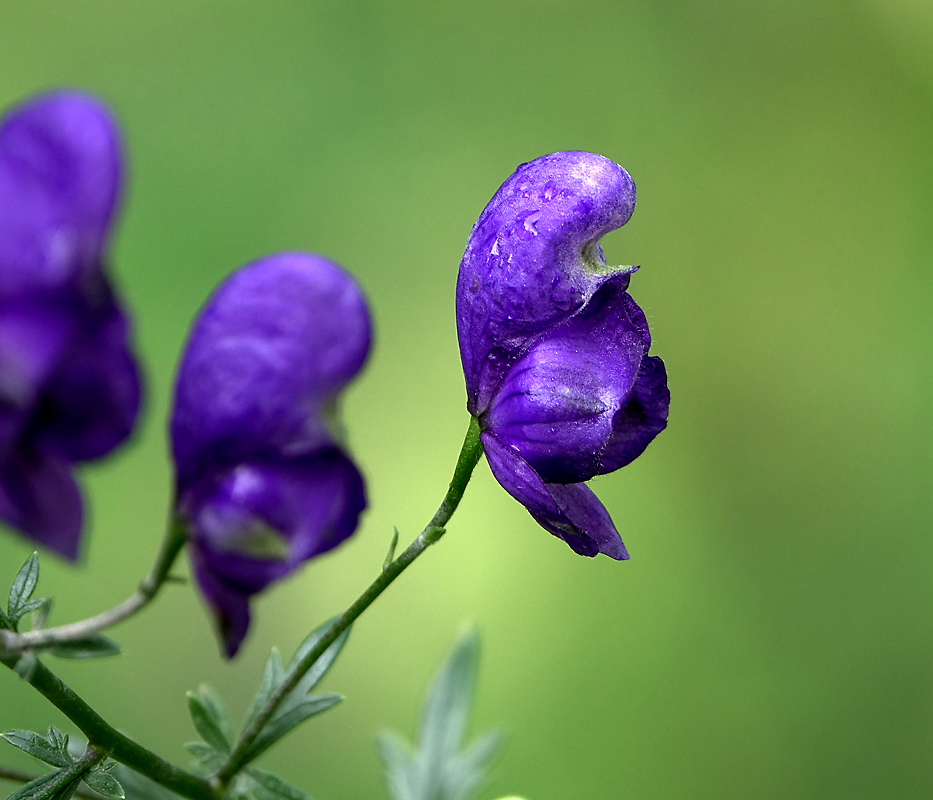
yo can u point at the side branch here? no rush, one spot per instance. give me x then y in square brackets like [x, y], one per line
[470, 454]
[17, 642]
[108, 740]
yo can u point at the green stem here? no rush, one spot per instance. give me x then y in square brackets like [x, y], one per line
[107, 740]
[470, 454]
[171, 545]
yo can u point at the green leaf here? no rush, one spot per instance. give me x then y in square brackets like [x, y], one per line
[272, 677]
[438, 770]
[200, 750]
[104, 783]
[400, 777]
[390, 556]
[24, 584]
[5, 622]
[51, 752]
[313, 676]
[292, 715]
[26, 665]
[139, 787]
[210, 718]
[267, 786]
[34, 789]
[96, 645]
[41, 613]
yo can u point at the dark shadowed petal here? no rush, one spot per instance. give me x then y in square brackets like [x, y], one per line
[32, 339]
[557, 403]
[60, 176]
[533, 259]
[229, 606]
[572, 512]
[642, 418]
[39, 497]
[92, 400]
[259, 522]
[271, 349]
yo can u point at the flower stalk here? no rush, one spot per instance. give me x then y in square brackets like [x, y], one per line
[470, 453]
[171, 546]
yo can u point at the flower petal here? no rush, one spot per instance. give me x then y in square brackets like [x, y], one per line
[642, 418]
[572, 512]
[39, 497]
[557, 403]
[533, 260]
[270, 351]
[92, 400]
[60, 177]
[259, 522]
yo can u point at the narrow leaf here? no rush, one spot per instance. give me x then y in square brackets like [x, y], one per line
[267, 786]
[210, 718]
[313, 676]
[34, 789]
[41, 613]
[105, 784]
[31, 605]
[272, 676]
[94, 646]
[24, 584]
[390, 556]
[26, 665]
[5, 622]
[447, 710]
[293, 715]
[38, 746]
[139, 787]
[399, 766]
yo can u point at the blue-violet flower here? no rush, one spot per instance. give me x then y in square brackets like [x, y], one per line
[69, 385]
[554, 350]
[263, 482]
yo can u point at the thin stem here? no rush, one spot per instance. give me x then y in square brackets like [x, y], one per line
[107, 740]
[171, 545]
[18, 776]
[469, 456]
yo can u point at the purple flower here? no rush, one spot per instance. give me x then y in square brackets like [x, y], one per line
[262, 479]
[554, 350]
[69, 385]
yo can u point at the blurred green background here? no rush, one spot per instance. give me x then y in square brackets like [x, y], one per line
[771, 636]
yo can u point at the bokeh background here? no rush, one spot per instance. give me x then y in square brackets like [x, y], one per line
[771, 636]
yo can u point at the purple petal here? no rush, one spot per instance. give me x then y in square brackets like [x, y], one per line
[32, 338]
[572, 512]
[273, 346]
[92, 400]
[39, 497]
[533, 260]
[229, 607]
[557, 403]
[259, 522]
[60, 176]
[642, 418]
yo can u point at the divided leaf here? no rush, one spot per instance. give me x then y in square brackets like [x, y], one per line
[267, 786]
[210, 718]
[313, 676]
[24, 584]
[52, 749]
[292, 714]
[102, 782]
[437, 769]
[96, 645]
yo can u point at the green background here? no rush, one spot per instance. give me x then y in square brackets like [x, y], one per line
[771, 636]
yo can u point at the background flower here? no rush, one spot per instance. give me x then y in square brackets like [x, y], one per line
[69, 385]
[263, 481]
[554, 349]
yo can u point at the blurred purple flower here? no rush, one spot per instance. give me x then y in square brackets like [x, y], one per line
[554, 350]
[263, 481]
[69, 385]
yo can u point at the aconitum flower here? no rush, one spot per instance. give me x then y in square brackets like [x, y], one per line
[263, 482]
[554, 350]
[69, 385]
